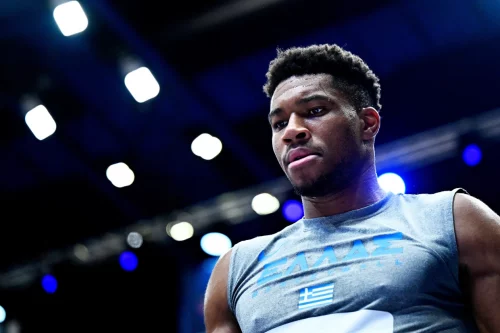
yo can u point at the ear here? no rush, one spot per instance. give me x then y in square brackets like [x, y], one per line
[370, 123]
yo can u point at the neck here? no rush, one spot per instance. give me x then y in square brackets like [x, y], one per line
[362, 192]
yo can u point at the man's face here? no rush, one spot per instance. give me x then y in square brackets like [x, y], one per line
[316, 135]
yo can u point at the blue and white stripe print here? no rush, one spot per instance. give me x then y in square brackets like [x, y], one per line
[316, 295]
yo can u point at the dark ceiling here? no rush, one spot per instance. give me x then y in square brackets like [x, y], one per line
[437, 60]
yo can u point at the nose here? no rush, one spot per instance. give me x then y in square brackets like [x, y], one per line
[295, 131]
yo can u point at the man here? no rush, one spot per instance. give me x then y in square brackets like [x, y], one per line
[361, 259]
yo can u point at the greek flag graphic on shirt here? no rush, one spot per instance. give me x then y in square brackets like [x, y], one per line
[319, 295]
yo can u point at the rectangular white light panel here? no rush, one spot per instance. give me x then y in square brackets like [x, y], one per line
[142, 85]
[70, 18]
[40, 122]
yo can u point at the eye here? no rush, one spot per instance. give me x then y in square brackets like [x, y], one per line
[316, 111]
[279, 125]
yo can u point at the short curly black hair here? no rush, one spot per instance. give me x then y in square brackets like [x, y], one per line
[351, 74]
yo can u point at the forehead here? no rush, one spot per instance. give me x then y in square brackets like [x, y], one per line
[297, 87]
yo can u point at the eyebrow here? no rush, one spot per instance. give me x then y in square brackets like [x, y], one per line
[304, 100]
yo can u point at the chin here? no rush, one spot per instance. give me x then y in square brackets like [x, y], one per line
[312, 188]
[320, 185]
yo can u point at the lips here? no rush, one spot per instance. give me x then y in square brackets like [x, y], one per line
[299, 153]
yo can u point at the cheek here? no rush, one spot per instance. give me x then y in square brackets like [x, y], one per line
[342, 142]
[276, 148]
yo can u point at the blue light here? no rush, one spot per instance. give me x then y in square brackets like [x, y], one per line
[215, 244]
[472, 155]
[49, 284]
[392, 182]
[208, 264]
[128, 261]
[3, 314]
[293, 210]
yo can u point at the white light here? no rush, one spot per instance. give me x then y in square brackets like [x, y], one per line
[391, 182]
[120, 175]
[40, 122]
[81, 252]
[265, 203]
[12, 326]
[181, 231]
[142, 84]
[134, 239]
[215, 244]
[70, 18]
[3, 314]
[206, 146]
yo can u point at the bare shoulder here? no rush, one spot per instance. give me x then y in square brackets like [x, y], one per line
[218, 315]
[478, 235]
[477, 229]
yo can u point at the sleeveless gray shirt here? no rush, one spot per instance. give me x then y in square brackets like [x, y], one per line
[389, 267]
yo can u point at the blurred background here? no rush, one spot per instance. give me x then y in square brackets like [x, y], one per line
[135, 147]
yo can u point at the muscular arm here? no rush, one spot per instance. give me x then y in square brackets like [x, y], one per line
[478, 238]
[218, 316]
